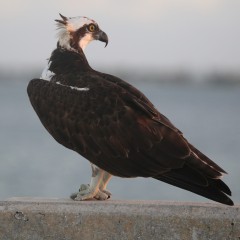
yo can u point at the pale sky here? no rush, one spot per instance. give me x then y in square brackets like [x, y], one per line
[199, 35]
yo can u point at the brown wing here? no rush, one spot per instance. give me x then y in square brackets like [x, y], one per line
[115, 127]
[108, 126]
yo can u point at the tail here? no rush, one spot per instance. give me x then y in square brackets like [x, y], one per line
[199, 175]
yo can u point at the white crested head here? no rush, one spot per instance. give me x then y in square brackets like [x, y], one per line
[78, 32]
[75, 23]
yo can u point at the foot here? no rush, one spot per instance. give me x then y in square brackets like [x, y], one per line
[97, 187]
[86, 193]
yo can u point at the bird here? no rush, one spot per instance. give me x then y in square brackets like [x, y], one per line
[112, 124]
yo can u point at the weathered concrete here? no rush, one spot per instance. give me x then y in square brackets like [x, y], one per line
[58, 219]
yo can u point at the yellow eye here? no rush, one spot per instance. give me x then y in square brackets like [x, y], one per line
[91, 27]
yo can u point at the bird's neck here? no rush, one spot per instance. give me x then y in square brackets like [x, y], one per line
[64, 61]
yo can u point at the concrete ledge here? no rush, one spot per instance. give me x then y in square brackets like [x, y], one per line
[60, 219]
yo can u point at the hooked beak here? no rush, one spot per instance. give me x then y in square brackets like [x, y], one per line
[102, 36]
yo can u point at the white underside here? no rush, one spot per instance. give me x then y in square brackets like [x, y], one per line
[46, 74]
[74, 87]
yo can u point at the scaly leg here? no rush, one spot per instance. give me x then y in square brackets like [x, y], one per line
[105, 180]
[97, 187]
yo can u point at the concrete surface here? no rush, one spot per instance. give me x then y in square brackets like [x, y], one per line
[60, 219]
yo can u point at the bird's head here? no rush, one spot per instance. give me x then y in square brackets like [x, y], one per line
[78, 32]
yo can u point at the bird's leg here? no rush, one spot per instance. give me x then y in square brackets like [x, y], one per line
[105, 180]
[96, 188]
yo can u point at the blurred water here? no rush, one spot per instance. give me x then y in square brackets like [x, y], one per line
[33, 164]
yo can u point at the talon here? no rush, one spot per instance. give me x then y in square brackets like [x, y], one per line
[73, 196]
[107, 192]
[101, 196]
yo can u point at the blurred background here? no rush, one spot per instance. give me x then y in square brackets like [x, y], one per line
[183, 54]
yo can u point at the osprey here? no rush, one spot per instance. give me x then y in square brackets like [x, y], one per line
[112, 124]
